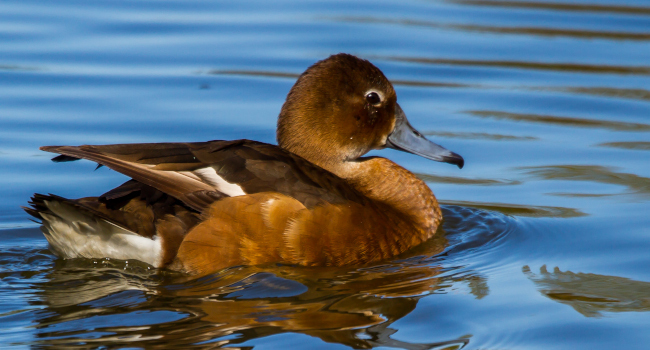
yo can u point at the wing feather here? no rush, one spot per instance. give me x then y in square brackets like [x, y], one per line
[200, 173]
[176, 184]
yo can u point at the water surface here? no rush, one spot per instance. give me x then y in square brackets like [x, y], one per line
[546, 234]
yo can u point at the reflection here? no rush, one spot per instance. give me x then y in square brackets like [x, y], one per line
[633, 145]
[580, 195]
[637, 185]
[564, 121]
[539, 31]
[87, 277]
[102, 302]
[562, 67]
[521, 210]
[82, 303]
[417, 83]
[636, 94]
[559, 6]
[270, 74]
[18, 68]
[464, 180]
[550, 32]
[255, 73]
[592, 294]
[479, 136]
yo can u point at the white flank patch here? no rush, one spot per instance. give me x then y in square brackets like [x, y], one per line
[74, 234]
[210, 176]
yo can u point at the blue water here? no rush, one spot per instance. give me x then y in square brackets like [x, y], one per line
[547, 228]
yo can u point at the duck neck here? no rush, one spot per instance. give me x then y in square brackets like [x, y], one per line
[407, 197]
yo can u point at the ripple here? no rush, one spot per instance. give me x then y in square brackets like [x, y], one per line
[14, 67]
[539, 31]
[632, 145]
[591, 294]
[476, 239]
[557, 6]
[265, 285]
[469, 228]
[564, 121]
[417, 83]
[522, 210]
[557, 66]
[465, 180]
[636, 94]
[479, 136]
[635, 184]
[255, 73]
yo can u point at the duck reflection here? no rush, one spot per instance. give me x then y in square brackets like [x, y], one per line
[107, 303]
[591, 294]
[132, 304]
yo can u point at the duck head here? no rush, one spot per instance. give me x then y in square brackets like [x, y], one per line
[341, 108]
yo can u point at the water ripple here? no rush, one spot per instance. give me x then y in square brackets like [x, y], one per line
[465, 180]
[557, 6]
[537, 211]
[563, 121]
[591, 294]
[635, 94]
[631, 145]
[635, 184]
[546, 66]
[539, 31]
[479, 136]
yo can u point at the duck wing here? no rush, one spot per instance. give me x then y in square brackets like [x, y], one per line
[200, 173]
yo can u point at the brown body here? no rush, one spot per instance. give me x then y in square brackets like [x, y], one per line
[312, 201]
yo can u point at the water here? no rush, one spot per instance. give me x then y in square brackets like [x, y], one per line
[545, 241]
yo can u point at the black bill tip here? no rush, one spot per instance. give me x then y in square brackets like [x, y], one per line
[454, 158]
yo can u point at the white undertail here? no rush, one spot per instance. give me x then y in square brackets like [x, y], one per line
[75, 234]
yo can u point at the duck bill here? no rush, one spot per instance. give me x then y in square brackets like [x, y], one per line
[405, 138]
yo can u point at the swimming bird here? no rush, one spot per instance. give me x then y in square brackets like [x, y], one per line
[312, 200]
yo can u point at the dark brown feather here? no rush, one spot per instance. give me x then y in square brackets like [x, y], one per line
[38, 206]
[177, 185]
[255, 166]
[142, 212]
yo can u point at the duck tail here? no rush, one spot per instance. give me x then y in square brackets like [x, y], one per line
[77, 231]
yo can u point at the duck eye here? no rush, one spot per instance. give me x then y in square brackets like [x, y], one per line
[373, 98]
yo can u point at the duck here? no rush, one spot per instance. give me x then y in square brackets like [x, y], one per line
[314, 200]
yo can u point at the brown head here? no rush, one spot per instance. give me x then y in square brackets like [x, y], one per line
[341, 108]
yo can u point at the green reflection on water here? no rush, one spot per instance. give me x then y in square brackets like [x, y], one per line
[591, 294]
[545, 66]
[521, 210]
[465, 180]
[255, 73]
[564, 121]
[540, 31]
[479, 136]
[633, 145]
[12, 67]
[635, 184]
[559, 6]
[636, 94]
